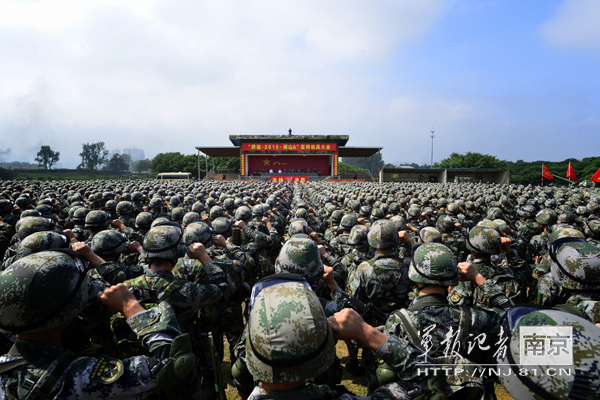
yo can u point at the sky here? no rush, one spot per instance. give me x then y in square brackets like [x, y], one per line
[515, 79]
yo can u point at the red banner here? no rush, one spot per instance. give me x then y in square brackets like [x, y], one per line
[546, 172]
[596, 176]
[335, 164]
[289, 179]
[243, 164]
[571, 173]
[288, 164]
[289, 146]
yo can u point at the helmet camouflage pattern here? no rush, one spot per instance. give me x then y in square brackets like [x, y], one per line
[300, 255]
[546, 217]
[190, 217]
[222, 226]
[109, 242]
[576, 264]
[358, 235]
[143, 220]
[592, 228]
[243, 213]
[79, 215]
[34, 224]
[383, 235]
[215, 212]
[289, 338]
[197, 232]
[42, 241]
[564, 233]
[42, 291]
[484, 240]
[297, 226]
[429, 234]
[97, 219]
[177, 214]
[548, 383]
[165, 241]
[433, 264]
[336, 216]
[348, 221]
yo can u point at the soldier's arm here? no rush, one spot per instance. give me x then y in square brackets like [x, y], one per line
[468, 273]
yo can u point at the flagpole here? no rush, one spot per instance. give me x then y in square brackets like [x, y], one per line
[542, 174]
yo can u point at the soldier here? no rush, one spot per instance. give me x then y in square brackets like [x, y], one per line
[283, 366]
[40, 294]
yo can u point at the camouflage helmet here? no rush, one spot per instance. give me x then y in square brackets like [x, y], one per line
[527, 211]
[543, 380]
[30, 213]
[289, 338]
[110, 205]
[42, 241]
[243, 213]
[546, 217]
[298, 226]
[109, 242]
[365, 211]
[42, 291]
[414, 212]
[358, 235]
[80, 214]
[500, 225]
[592, 228]
[560, 232]
[442, 202]
[495, 213]
[445, 224]
[31, 225]
[348, 221]
[399, 222]
[164, 241]
[190, 217]
[159, 221]
[453, 208]
[258, 210]
[484, 240]
[302, 213]
[143, 220]
[215, 212]
[383, 235]
[376, 214]
[97, 219]
[576, 264]
[124, 207]
[336, 216]
[156, 202]
[222, 226]
[45, 210]
[300, 255]
[429, 234]
[177, 214]
[198, 232]
[198, 207]
[581, 210]
[433, 264]
[6, 206]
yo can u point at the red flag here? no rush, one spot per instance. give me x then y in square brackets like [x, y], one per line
[596, 176]
[546, 172]
[571, 173]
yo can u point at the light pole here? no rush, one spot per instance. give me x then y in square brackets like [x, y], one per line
[432, 136]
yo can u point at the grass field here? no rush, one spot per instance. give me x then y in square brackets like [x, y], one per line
[357, 385]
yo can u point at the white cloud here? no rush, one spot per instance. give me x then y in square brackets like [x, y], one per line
[576, 25]
[170, 75]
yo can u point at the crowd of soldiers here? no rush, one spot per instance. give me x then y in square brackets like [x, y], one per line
[134, 288]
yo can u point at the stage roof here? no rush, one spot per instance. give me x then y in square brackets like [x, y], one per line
[213, 151]
[341, 140]
[358, 151]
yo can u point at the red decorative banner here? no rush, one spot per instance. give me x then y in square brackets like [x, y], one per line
[242, 164]
[335, 164]
[289, 146]
[289, 179]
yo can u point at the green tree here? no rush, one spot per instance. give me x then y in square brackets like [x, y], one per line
[93, 155]
[471, 160]
[118, 163]
[140, 165]
[369, 163]
[47, 157]
[176, 162]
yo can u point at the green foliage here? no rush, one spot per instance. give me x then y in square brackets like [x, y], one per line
[471, 160]
[369, 163]
[47, 157]
[526, 173]
[93, 155]
[7, 174]
[344, 168]
[16, 164]
[175, 162]
[141, 165]
[118, 163]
